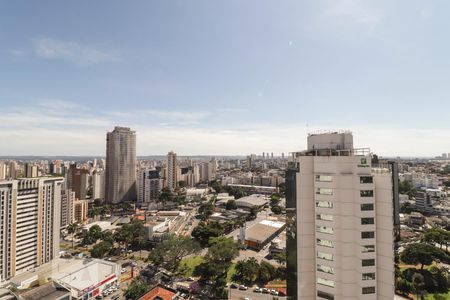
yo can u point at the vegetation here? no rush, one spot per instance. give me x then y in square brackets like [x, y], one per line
[405, 187]
[203, 232]
[250, 271]
[136, 290]
[101, 249]
[206, 210]
[73, 230]
[423, 254]
[217, 262]
[231, 205]
[169, 253]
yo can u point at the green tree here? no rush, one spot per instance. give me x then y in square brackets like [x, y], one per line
[165, 196]
[101, 249]
[405, 187]
[95, 233]
[170, 252]
[231, 205]
[203, 232]
[403, 286]
[266, 272]
[206, 210]
[275, 200]
[276, 209]
[253, 212]
[136, 290]
[73, 229]
[280, 258]
[418, 283]
[246, 271]
[418, 253]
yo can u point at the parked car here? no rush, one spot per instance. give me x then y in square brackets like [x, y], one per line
[243, 287]
[257, 290]
[234, 286]
[265, 291]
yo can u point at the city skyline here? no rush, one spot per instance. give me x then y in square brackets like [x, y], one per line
[179, 75]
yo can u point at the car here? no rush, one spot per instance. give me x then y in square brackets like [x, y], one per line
[99, 297]
[115, 297]
[189, 279]
[274, 293]
[243, 287]
[257, 290]
[234, 285]
[123, 270]
[265, 291]
[281, 293]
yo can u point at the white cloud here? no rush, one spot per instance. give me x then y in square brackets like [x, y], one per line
[353, 11]
[168, 117]
[72, 51]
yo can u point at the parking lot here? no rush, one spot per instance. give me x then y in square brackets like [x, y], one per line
[236, 294]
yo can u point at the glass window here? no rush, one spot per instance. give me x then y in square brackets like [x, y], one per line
[367, 221]
[325, 269]
[324, 229]
[325, 243]
[366, 193]
[367, 235]
[326, 256]
[324, 178]
[324, 191]
[368, 248]
[366, 179]
[326, 282]
[366, 206]
[368, 290]
[324, 217]
[324, 295]
[326, 204]
[368, 276]
[368, 262]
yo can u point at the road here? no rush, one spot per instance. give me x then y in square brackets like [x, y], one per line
[236, 294]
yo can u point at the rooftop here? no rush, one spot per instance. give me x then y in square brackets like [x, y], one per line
[159, 292]
[49, 291]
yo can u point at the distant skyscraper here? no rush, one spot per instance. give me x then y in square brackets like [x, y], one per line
[31, 170]
[78, 181]
[172, 170]
[67, 206]
[340, 215]
[98, 185]
[30, 214]
[2, 170]
[120, 183]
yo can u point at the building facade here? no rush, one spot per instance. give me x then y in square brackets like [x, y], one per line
[149, 186]
[30, 229]
[172, 170]
[120, 180]
[340, 219]
[67, 207]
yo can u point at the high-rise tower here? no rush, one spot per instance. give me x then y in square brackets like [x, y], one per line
[120, 178]
[172, 170]
[340, 222]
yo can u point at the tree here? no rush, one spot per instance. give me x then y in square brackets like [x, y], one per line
[280, 258]
[101, 249]
[206, 210]
[246, 271]
[275, 200]
[403, 286]
[73, 229]
[418, 254]
[182, 184]
[136, 290]
[165, 196]
[405, 187]
[266, 272]
[203, 232]
[418, 283]
[217, 262]
[231, 205]
[276, 209]
[170, 252]
[254, 212]
[123, 235]
[95, 232]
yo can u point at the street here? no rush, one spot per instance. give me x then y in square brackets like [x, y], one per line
[235, 294]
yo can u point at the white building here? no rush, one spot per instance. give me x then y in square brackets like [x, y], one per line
[30, 214]
[149, 186]
[340, 220]
[98, 185]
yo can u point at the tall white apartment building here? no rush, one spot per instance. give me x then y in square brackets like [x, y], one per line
[30, 224]
[98, 185]
[172, 170]
[340, 222]
[149, 186]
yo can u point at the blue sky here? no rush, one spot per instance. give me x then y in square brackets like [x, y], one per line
[223, 77]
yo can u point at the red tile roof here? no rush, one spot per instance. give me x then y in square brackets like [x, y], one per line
[159, 291]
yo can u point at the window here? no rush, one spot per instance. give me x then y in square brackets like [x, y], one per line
[325, 269]
[326, 282]
[324, 217]
[366, 207]
[368, 276]
[326, 204]
[368, 262]
[367, 221]
[325, 256]
[368, 248]
[324, 191]
[367, 235]
[324, 178]
[364, 161]
[325, 243]
[366, 193]
[324, 229]
[368, 290]
[366, 179]
[324, 295]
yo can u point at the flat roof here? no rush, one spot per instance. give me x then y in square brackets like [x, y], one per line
[262, 231]
[49, 291]
[90, 274]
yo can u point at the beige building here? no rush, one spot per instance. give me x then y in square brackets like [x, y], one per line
[172, 170]
[80, 210]
[120, 180]
[30, 230]
[67, 207]
[340, 222]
